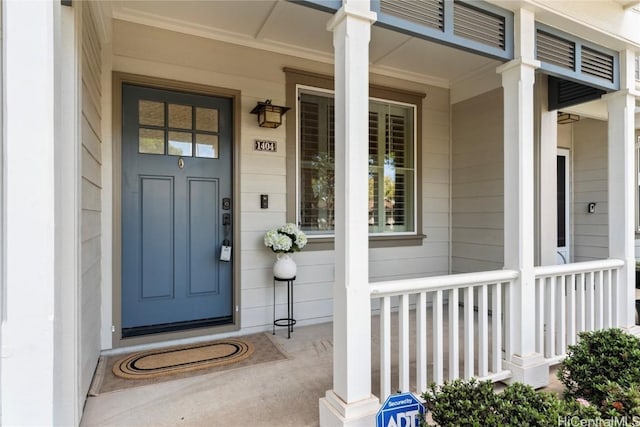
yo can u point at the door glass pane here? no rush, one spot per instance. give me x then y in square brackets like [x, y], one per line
[207, 119]
[150, 141]
[180, 144]
[180, 116]
[207, 146]
[151, 113]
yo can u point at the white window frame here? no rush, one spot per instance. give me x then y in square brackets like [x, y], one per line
[330, 93]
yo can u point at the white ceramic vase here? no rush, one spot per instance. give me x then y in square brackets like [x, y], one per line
[284, 267]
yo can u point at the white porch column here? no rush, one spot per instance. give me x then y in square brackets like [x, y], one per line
[547, 140]
[28, 333]
[517, 80]
[351, 403]
[621, 124]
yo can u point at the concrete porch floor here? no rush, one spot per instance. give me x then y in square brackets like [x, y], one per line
[279, 393]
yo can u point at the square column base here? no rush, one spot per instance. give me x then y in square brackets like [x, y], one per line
[334, 412]
[532, 370]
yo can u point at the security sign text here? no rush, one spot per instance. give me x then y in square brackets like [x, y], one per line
[400, 410]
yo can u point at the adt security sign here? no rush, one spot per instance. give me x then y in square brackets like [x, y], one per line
[400, 410]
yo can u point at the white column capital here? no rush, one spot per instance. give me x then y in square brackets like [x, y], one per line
[628, 69]
[358, 10]
[518, 64]
[619, 94]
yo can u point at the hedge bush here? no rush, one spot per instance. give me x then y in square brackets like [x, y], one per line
[599, 358]
[473, 403]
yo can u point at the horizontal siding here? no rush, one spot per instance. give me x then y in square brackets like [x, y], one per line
[477, 184]
[590, 174]
[144, 50]
[91, 196]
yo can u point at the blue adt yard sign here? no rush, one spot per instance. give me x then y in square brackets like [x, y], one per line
[400, 410]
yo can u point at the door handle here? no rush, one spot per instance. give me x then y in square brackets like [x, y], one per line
[226, 219]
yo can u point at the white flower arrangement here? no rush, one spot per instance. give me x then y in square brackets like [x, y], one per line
[286, 239]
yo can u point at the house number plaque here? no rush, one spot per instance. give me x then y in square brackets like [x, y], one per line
[264, 145]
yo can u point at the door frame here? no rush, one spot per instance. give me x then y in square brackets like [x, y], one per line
[566, 153]
[118, 79]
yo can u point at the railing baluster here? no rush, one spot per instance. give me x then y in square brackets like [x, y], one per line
[606, 289]
[506, 322]
[550, 321]
[540, 319]
[385, 348]
[571, 310]
[598, 299]
[468, 333]
[615, 300]
[496, 332]
[403, 344]
[438, 356]
[421, 342]
[561, 318]
[590, 304]
[580, 304]
[454, 335]
[483, 331]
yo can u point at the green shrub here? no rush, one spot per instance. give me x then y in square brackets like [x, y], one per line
[459, 402]
[620, 401]
[598, 358]
[473, 403]
[521, 405]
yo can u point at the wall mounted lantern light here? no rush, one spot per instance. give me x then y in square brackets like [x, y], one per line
[269, 115]
[565, 118]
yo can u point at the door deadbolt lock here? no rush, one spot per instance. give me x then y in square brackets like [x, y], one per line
[226, 203]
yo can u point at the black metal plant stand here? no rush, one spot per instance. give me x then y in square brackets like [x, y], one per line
[288, 321]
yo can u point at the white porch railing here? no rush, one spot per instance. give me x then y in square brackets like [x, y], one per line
[572, 298]
[486, 325]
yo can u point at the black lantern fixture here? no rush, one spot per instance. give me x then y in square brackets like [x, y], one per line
[269, 115]
[566, 118]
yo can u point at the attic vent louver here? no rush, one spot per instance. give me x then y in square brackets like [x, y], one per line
[565, 93]
[555, 50]
[478, 25]
[429, 13]
[597, 64]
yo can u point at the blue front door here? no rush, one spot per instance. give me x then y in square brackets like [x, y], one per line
[176, 210]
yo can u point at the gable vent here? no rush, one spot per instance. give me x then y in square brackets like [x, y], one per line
[429, 13]
[597, 64]
[555, 50]
[478, 25]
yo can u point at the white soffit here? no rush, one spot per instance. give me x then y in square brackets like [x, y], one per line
[296, 30]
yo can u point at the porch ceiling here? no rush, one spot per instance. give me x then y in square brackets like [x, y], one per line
[297, 30]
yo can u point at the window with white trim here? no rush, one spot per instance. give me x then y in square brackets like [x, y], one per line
[392, 165]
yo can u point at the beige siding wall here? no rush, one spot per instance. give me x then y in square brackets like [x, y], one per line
[259, 75]
[591, 234]
[477, 184]
[91, 164]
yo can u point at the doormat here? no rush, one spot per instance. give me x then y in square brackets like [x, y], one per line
[153, 363]
[154, 366]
